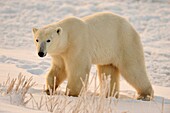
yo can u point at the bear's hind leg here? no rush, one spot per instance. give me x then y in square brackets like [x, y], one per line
[137, 77]
[114, 74]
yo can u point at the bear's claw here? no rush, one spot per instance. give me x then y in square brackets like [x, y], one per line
[144, 98]
[47, 91]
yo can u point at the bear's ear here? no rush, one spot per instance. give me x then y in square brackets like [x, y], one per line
[34, 30]
[59, 30]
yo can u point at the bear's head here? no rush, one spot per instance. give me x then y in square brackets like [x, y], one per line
[50, 40]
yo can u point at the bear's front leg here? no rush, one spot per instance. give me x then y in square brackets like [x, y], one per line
[76, 70]
[56, 75]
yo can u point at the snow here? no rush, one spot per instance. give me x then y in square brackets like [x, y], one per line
[151, 18]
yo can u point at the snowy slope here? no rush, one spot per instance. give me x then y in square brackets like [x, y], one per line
[151, 18]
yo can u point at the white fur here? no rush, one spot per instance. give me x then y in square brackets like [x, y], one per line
[104, 39]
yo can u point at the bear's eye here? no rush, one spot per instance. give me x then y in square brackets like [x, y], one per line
[48, 40]
[58, 31]
[36, 40]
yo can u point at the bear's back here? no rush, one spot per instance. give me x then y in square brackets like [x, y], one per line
[101, 17]
[108, 33]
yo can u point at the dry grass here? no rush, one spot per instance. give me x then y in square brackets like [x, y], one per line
[59, 102]
[93, 103]
[17, 89]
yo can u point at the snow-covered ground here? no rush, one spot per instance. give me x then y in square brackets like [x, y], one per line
[18, 54]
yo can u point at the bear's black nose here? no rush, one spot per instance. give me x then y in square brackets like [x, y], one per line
[41, 54]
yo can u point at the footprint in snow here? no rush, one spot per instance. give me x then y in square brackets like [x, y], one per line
[29, 66]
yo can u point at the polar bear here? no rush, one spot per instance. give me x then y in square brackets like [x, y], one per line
[104, 39]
